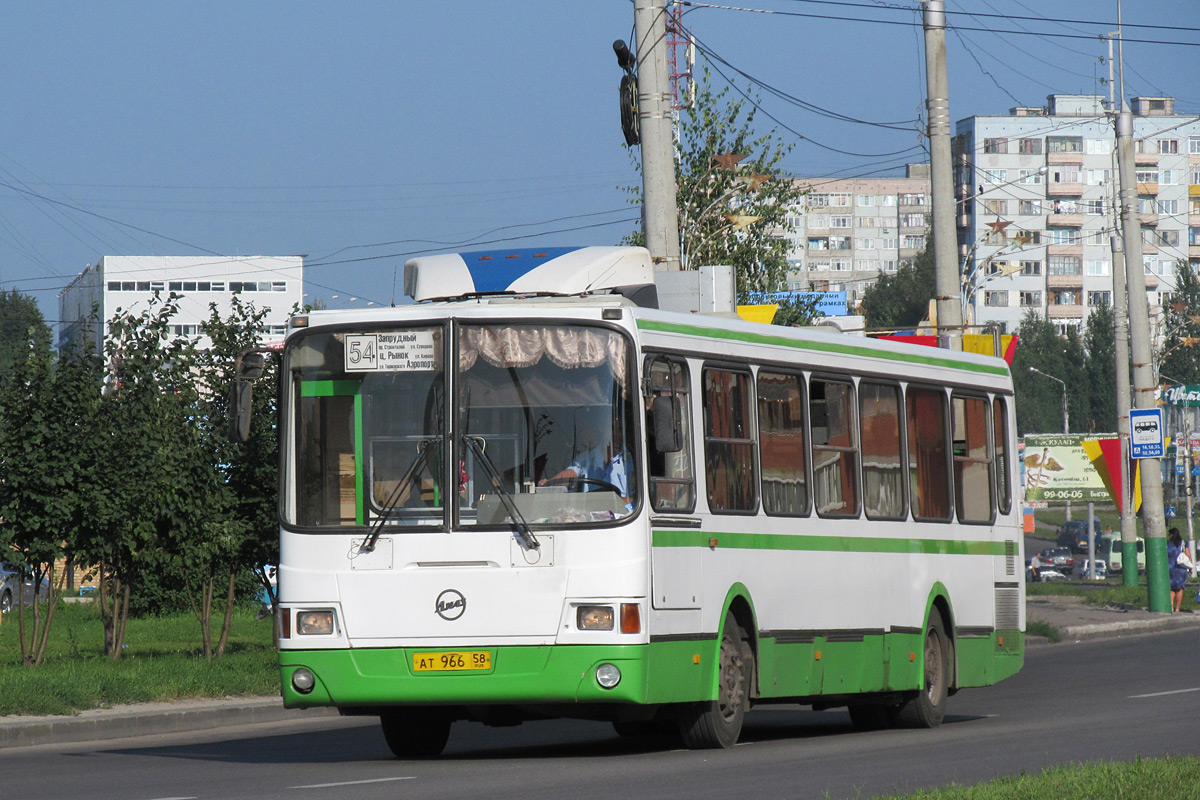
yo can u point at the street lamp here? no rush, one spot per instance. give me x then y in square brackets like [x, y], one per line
[1062, 383]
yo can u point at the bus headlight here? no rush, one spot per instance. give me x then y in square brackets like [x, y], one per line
[594, 618]
[608, 676]
[314, 623]
[303, 680]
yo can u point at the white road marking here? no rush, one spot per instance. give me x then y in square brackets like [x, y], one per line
[1163, 694]
[353, 783]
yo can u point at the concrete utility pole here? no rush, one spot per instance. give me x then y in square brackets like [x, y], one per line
[1129, 577]
[947, 282]
[659, 216]
[1143, 372]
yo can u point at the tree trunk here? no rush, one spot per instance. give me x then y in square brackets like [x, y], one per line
[227, 623]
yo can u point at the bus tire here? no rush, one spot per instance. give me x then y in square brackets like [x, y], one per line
[718, 723]
[415, 733]
[927, 708]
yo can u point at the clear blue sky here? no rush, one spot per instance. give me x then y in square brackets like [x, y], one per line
[362, 133]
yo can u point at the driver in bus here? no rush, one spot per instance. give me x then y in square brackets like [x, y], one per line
[601, 463]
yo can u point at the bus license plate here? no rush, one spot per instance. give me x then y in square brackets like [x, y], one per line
[452, 661]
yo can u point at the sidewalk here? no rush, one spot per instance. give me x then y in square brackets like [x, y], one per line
[1069, 615]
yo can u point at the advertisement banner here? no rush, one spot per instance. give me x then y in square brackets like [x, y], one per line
[1057, 469]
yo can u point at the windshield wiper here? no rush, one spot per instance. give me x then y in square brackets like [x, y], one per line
[418, 463]
[523, 531]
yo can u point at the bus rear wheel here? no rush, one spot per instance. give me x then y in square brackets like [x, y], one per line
[415, 733]
[928, 707]
[718, 723]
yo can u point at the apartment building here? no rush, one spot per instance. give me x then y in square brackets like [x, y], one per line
[846, 233]
[1037, 193]
[129, 283]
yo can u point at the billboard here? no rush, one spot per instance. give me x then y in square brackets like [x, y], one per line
[1057, 469]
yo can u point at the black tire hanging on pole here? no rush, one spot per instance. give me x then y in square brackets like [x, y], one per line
[629, 110]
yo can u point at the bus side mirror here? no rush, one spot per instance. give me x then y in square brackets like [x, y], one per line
[665, 415]
[241, 400]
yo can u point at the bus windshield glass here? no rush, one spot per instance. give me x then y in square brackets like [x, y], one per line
[540, 422]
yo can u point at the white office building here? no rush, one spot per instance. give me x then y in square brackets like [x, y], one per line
[1037, 191]
[847, 232]
[117, 284]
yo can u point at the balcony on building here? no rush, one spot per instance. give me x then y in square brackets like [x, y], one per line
[1148, 219]
[1147, 188]
[1055, 311]
[1064, 281]
[1149, 248]
[1064, 189]
[1194, 251]
[1065, 249]
[1065, 220]
[1145, 159]
[1064, 158]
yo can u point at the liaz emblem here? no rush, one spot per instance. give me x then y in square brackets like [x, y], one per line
[450, 605]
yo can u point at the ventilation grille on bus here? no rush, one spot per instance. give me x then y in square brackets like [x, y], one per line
[1010, 558]
[1008, 608]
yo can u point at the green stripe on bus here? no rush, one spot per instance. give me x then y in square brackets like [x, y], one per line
[840, 348]
[329, 388]
[850, 544]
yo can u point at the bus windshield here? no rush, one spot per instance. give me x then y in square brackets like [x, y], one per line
[539, 421]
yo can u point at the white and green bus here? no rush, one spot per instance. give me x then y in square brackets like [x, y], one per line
[530, 494]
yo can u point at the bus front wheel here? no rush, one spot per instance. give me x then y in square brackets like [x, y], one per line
[718, 723]
[415, 733]
[928, 707]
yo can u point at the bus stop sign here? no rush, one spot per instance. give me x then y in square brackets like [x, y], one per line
[1146, 433]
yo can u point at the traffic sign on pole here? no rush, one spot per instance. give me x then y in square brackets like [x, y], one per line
[1146, 433]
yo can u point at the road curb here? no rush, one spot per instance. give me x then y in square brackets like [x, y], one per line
[1097, 630]
[148, 719]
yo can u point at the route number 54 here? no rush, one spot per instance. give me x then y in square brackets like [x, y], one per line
[362, 352]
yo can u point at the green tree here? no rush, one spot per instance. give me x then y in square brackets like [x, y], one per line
[1039, 399]
[21, 322]
[798, 311]
[1100, 382]
[1179, 353]
[900, 300]
[733, 205]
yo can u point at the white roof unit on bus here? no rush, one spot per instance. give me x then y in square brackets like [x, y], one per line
[548, 270]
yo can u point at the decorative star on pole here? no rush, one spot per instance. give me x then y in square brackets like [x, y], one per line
[998, 226]
[1194, 319]
[728, 160]
[741, 222]
[1179, 306]
[1189, 341]
[1023, 237]
[755, 181]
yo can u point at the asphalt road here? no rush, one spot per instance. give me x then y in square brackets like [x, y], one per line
[1106, 699]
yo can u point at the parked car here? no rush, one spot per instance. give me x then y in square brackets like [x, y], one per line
[1116, 555]
[1101, 569]
[1058, 558]
[10, 588]
[1074, 534]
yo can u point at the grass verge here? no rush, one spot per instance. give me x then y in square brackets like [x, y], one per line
[163, 660]
[1141, 778]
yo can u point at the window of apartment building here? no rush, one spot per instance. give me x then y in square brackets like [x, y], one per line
[996, 267]
[819, 266]
[158, 286]
[1030, 207]
[1032, 238]
[1098, 236]
[1062, 236]
[839, 242]
[912, 199]
[279, 286]
[1194, 236]
[1030, 176]
[867, 264]
[1031, 268]
[887, 200]
[1168, 146]
[841, 222]
[1142, 146]
[1064, 297]
[1065, 327]
[818, 201]
[1064, 144]
[914, 241]
[1168, 206]
[1099, 299]
[889, 264]
[998, 207]
[840, 265]
[1096, 266]
[995, 237]
[865, 222]
[1194, 145]
[1031, 299]
[185, 330]
[818, 221]
[245, 286]
[995, 298]
[995, 175]
[891, 243]
[818, 243]
[1064, 207]
[1150, 264]
[995, 146]
[840, 200]
[1093, 208]
[1064, 265]
[1098, 147]
[218, 287]
[1146, 175]
[1194, 176]
[1030, 147]
[865, 201]
[864, 244]
[1168, 177]
[175, 286]
[1166, 238]
[1064, 173]
[912, 220]
[1097, 177]
[1147, 205]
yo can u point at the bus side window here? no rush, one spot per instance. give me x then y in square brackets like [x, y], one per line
[928, 470]
[672, 474]
[783, 451]
[972, 460]
[729, 458]
[883, 472]
[834, 449]
[1000, 429]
